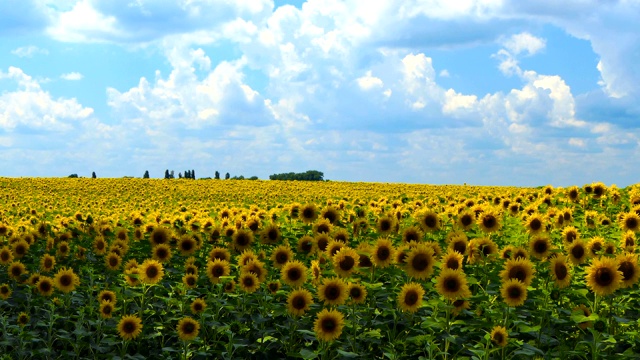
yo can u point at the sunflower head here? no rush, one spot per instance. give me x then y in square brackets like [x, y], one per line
[216, 269]
[249, 282]
[294, 273]
[540, 246]
[628, 266]
[5, 291]
[410, 297]
[106, 309]
[198, 306]
[107, 295]
[129, 327]
[23, 319]
[345, 261]
[452, 284]
[299, 301]
[333, 291]
[328, 325]
[188, 328]
[306, 245]
[383, 253]
[520, 269]
[499, 336]
[66, 280]
[514, 292]
[603, 276]
[151, 271]
[560, 271]
[45, 286]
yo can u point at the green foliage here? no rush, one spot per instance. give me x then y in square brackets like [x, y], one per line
[309, 175]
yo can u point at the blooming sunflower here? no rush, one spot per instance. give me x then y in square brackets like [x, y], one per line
[514, 292]
[45, 286]
[216, 269]
[412, 234]
[499, 336]
[333, 291]
[298, 302]
[357, 293]
[160, 235]
[322, 241]
[540, 246]
[385, 225]
[106, 309]
[6, 256]
[521, 269]
[630, 222]
[628, 266]
[465, 220]
[569, 235]
[429, 221]
[628, 241]
[5, 291]
[198, 306]
[107, 295]
[113, 261]
[577, 252]
[220, 253]
[459, 305]
[249, 282]
[410, 297]
[63, 249]
[161, 253]
[66, 280]
[328, 325]
[452, 284]
[23, 319]
[595, 246]
[129, 327]
[242, 240]
[16, 270]
[458, 241]
[257, 267]
[294, 273]
[452, 260]
[308, 213]
[271, 234]
[190, 280]
[535, 224]
[560, 271]
[151, 271]
[489, 221]
[47, 263]
[603, 276]
[229, 286]
[187, 245]
[383, 253]
[132, 276]
[420, 262]
[345, 262]
[20, 248]
[333, 247]
[306, 245]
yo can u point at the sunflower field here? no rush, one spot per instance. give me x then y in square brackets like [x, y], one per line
[196, 269]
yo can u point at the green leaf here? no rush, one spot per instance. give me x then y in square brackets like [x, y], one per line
[308, 354]
[347, 353]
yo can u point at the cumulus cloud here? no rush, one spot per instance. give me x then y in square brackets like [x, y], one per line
[524, 42]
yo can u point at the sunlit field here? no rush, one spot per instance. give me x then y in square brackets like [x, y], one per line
[195, 269]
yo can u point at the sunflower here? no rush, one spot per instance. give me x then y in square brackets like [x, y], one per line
[420, 262]
[452, 260]
[569, 235]
[595, 246]
[16, 270]
[603, 276]
[45, 286]
[161, 253]
[219, 253]
[499, 336]
[107, 295]
[591, 218]
[400, 255]
[5, 291]
[306, 245]
[113, 261]
[129, 327]
[23, 319]
[333, 291]
[229, 286]
[481, 249]
[331, 214]
[540, 246]
[151, 271]
[630, 222]
[560, 271]
[452, 284]
[273, 286]
[20, 248]
[160, 235]
[257, 267]
[507, 252]
[586, 312]
[190, 268]
[412, 234]
[66, 280]
[216, 269]
[132, 276]
[333, 247]
[410, 297]
[99, 245]
[190, 280]
[187, 245]
[106, 309]
[63, 249]
[6, 256]
[242, 240]
[341, 235]
[535, 224]
[249, 282]
[458, 242]
[609, 248]
[345, 262]
[577, 252]
[429, 221]
[198, 306]
[489, 221]
[308, 213]
[459, 305]
[294, 273]
[385, 225]
[573, 193]
[271, 234]
[465, 220]
[357, 293]
[322, 226]
[520, 269]
[383, 253]
[514, 292]
[298, 302]
[628, 266]
[316, 271]
[628, 241]
[328, 325]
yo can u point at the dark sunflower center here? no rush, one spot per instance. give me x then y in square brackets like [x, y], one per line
[411, 236]
[332, 292]
[191, 281]
[306, 246]
[188, 328]
[466, 220]
[4, 256]
[218, 271]
[604, 277]
[561, 271]
[355, 292]
[627, 269]
[458, 303]
[106, 310]
[129, 327]
[299, 302]
[151, 272]
[459, 246]
[307, 213]
[365, 261]
[248, 281]
[571, 236]
[100, 245]
[629, 242]
[323, 228]
[517, 272]
[514, 292]
[187, 245]
[242, 240]
[48, 263]
[322, 244]
[330, 216]
[385, 225]
[420, 262]
[45, 286]
[294, 274]
[430, 221]
[535, 224]
[328, 325]
[347, 263]
[272, 235]
[498, 338]
[596, 247]
[16, 271]
[20, 249]
[452, 284]
[453, 264]
[282, 258]
[577, 252]
[540, 246]
[486, 250]
[113, 261]
[66, 280]
[631, 223]
[489, 221]
[383, 253]
[411, 298]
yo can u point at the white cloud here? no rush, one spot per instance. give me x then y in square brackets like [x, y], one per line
[577, 142]
[524, 42]
[369, 82]
[29, 51]
[444, 73]
[72, 76]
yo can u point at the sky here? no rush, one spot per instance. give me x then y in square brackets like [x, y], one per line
[484, 92]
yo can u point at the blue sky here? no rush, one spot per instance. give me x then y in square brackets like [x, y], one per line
[489, 92]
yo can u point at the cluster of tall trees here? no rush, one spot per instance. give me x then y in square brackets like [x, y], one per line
[309, 175]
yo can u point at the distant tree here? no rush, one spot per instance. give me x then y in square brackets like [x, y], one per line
[146, 174]
[217, 176]
[193, 174]
[166, 174]
[253, 178]
[227, 176]
[171, 176]
[310, 175]
[93, 175]
[179, 175]
[73, 175]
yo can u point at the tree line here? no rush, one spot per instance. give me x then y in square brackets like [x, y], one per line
[309, 175]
